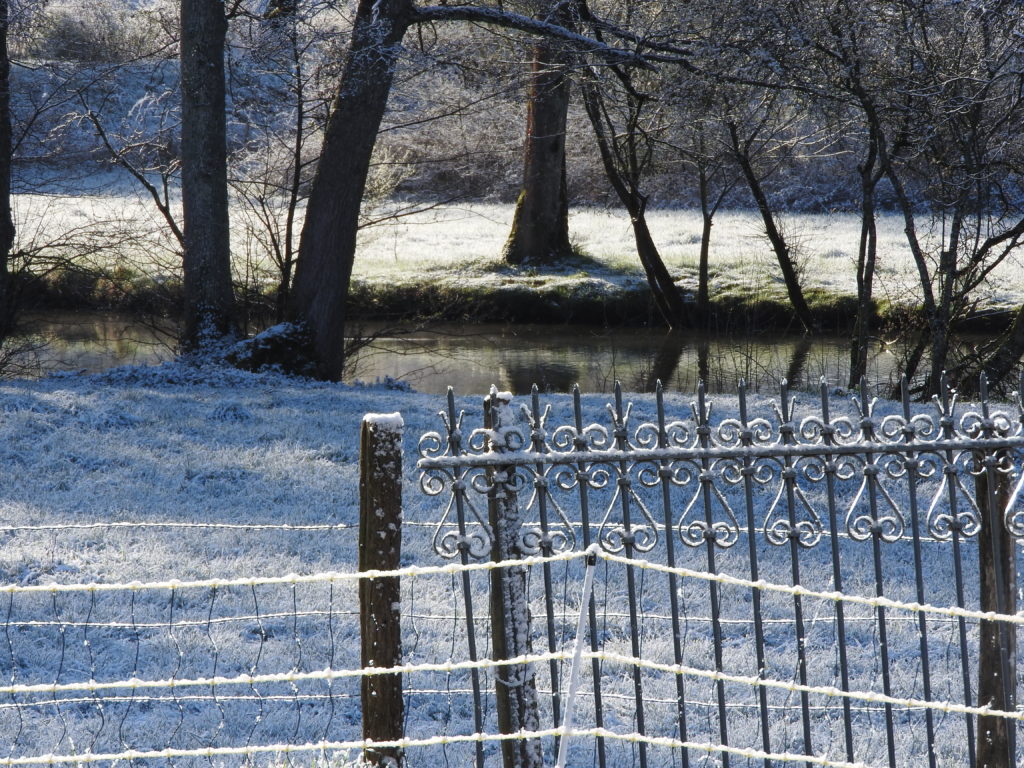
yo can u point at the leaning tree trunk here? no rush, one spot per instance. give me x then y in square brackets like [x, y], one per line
[328, 241]
[775, 236]
[209, 300]
[6, 219]
[540, 227]
[624, 179]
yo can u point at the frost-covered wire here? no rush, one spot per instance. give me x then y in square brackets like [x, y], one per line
[408, 743]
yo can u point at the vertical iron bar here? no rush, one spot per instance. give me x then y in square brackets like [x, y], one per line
[625, 485]
[459, 489]
[748, 471]
[665, 475]
[946, 406]
[789, 478]
[704, 438]
[583, 483]
[870, 474]
[828, 437]
[911, 464]
[541, 486]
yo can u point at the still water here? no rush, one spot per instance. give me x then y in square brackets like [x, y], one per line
[472, 357]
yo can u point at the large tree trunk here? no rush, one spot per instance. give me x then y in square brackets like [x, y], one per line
[328, 241]
[209, 301]
[7, 309]
[540, 227]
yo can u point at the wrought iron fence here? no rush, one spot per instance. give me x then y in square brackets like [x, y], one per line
[787, 578]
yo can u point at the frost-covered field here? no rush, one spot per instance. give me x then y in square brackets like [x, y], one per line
[464, 242]
[220, 475]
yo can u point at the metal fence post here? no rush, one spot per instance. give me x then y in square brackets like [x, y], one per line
[515, 684]
[380, 616]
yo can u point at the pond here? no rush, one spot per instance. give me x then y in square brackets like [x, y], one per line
[472, 357]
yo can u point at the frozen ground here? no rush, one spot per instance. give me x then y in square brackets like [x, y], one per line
[220, 474]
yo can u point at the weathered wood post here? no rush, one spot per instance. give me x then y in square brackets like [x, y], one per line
[998, 587]
[380, 548]
[515, 684]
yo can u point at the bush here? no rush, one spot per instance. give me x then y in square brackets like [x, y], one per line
[99, 31]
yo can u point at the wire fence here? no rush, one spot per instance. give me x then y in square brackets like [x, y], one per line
[775, 586]
[79, 719]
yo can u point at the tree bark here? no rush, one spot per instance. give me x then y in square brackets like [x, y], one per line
[328, 240]
[540, 227]
[209, 300]
[7, 309]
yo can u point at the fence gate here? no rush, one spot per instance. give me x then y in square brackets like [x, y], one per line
[824, 580]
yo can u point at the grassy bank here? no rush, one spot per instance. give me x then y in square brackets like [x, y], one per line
[444, 264]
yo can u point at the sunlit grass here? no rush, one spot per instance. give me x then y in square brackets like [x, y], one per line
[463, 243]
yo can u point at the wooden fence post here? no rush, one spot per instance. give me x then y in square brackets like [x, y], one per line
[380, 548]
[998, 587]
[515, 684]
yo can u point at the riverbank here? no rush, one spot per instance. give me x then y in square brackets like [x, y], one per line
[444, 264]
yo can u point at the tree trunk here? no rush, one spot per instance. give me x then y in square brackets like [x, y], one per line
[328, 240]
[540, 227]
[209, 300]
[703, 267]
[666, 294]
[624, 181]
[866, 256]
[775, 236]
[7, 309]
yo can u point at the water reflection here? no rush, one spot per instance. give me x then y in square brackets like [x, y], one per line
[471, 358]
[92, 341]
[556, 357]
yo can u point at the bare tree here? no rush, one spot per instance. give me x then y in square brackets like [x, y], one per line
[959, 95]
[327, 244]
[619, 108]
[759, 128]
